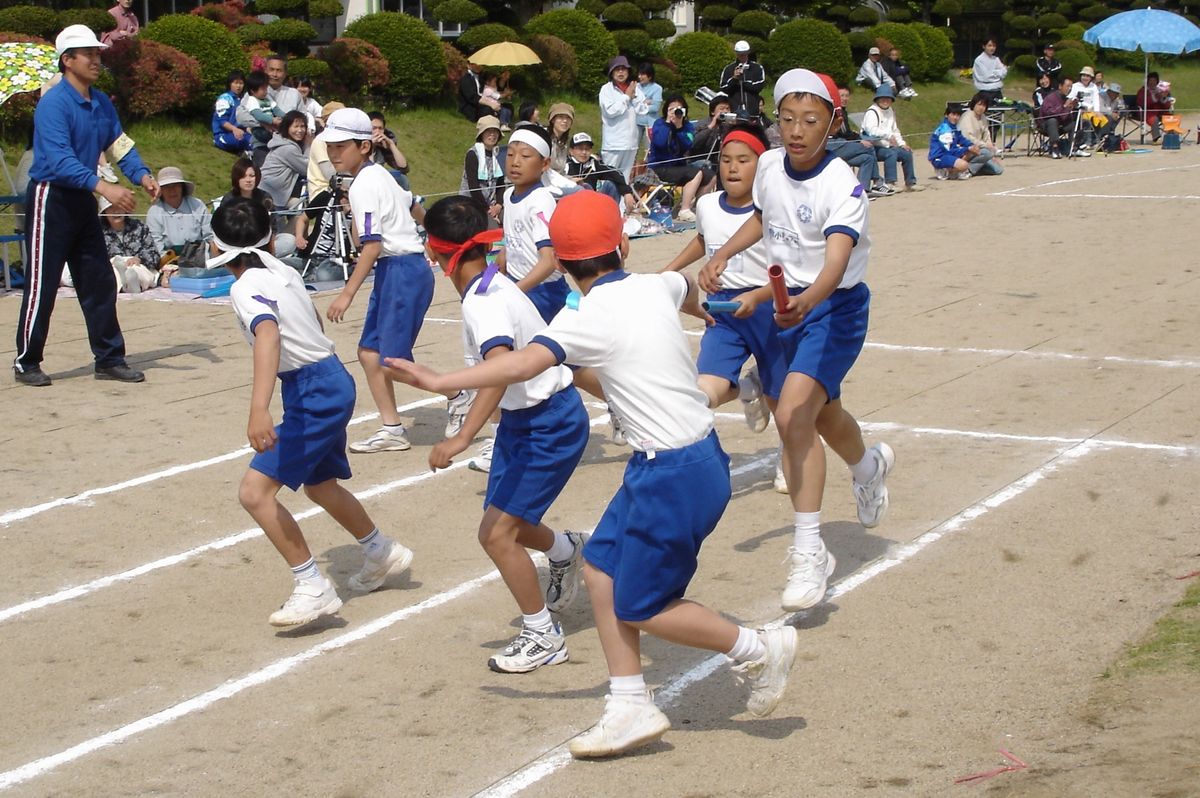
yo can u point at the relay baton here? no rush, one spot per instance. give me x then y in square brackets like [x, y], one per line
[778, 287]
[717, 306]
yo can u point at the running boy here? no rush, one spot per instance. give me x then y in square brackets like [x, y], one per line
[640, 559]
[527, 256]
[389, 243]
[309, 446]
[542, 433]
[814, 215]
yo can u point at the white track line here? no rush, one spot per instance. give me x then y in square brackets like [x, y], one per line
[559, 757]
[1017, 192]
[82, 498]
[1112, 196]
[274, 670]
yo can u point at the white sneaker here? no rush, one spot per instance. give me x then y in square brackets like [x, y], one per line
[685, 216]
[618, 429]
[308, 602]
[781, 485]
[965, 175]
[1082, 154]
[456, 412]
[768, 676]
[564, 576]
[754, 405]
[482, 461]
[872, 496]
[530, 650]
[807, 578]
[625, 725]
[942, 174]
[383, 441]
[375, 571]
[107, 174]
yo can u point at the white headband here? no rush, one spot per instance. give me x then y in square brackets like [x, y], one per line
[525, 136]
[229, 252]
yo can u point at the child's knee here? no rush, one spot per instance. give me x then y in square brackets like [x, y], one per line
[254, 492]
[497, 533]
[320, 492]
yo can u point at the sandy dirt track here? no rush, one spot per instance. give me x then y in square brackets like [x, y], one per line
[1033, 359]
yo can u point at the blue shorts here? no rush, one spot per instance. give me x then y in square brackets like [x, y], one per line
[549, 298]
[402, 293]
[825, 345]
[728, 344]
[944, 161]
[650, 535]
[318, 400]
[535, 453]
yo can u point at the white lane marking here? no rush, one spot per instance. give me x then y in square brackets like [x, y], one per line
[1088, 178]
[274, 670]
[559, 757]
[87, 495]
[1110, 196]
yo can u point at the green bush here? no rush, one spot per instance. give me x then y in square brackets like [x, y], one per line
[860, 43]
[837, 12]
[1089, 50]
[899, 14]
[412, 49]
[477, 37]
[946, 8]
[1095, 13]
[1072, 32]
[311, 68]
[1072, 60]
[1025, 63]
[718, 14]
[290, 35]
[593, 7]
[559, 68]
[1122, 58]
[32, 20]
[1052, 21]
[659, 28]
[1018, 46]
[757, 45]
[356, 69]
[459, 12]
[97, 19]
[623, 15]
[252, 33]
[592, 42]
[637, 45]
[279, 7]
[210, 43]
[318, 9]
[755, 23]
[939, 52]
[654, 6]
[700, 57]
[910, 44]
[1023, 23]
[863, 15]
[812, 44]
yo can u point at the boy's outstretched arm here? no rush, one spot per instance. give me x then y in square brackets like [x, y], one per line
[495, 372]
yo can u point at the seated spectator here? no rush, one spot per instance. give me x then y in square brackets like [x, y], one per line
[585, 168]
[1152, 102]
[243, 180]
[469, 88]
[258, 113]
[949, 151]
[562, 116]
[900, 74]
[483, 170]
[1044, 88]
[131, 249]
[707, 145]
[672, 137]
[974, 128]
[1056, 119]
[528, 112]
[178, 222]
[848, 145]
[491, 98]
[1087, 97]
[872, 73]
[286, 164]
[1112, 103]
[879, 123]
[309, 105]
[228, 135]
[386, 151]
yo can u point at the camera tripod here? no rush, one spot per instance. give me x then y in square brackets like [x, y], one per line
[332, 241]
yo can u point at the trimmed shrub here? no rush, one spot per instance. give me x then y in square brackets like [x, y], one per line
[623, 15]
[97, 19]
[659, 28]
[311, 68]
[319, 9]
[939, 52]
[755, 23]
[279, 7]
[1122, 58]
[456, 66]
[718, 14]
[860, 42]
[1018, 46]
[666, 75]
[412, 49]
[837, 13]
[700, 57]
[289, 36]
[812, 44]
[654, 6]
[559, 68]
[1089, 50]
[592, 42]
[757, 45]
[150, 78]
[637, 45]
[31, 20]
[593, 7]
[459, 12]
[863, 15]
[1023, 23]
[1052, 21]
[947, 8]
[1073, 32]
[218, 51]
[356, 68]
[232, 14]
[477, 37]
[1025, 63]
[910, 43]
[1095, 13]
[899, 14]
[253, 33]
[1072, 60]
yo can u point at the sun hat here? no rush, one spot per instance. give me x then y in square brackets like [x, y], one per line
[170, 175]
[617, 61]
[328, 108]
[885, 91]
[742, 46]
[562, 109]
[586, 224]
[805, 81]
[581, 138]
[76, 36]
[484, 124]
[874, 51]
[1087, 70]
[347, 124]
[1115, 88]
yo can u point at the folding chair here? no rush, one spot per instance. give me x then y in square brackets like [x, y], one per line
[1173, 123]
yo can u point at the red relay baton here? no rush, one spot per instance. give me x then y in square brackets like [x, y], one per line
[778, 287]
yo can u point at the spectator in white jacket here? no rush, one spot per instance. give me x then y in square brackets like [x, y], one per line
[879, 123]
[974, 126]
[989, 72]
[621, 100]
[871, 74]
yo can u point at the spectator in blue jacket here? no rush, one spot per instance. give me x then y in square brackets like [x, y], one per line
[671, 140]
[228, 135]
[949, 151]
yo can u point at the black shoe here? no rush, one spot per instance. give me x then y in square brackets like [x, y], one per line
[34, 377]
[121, 373]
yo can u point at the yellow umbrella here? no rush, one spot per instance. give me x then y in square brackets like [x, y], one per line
[505, 54]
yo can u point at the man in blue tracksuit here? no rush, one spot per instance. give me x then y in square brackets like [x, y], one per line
[73, 124]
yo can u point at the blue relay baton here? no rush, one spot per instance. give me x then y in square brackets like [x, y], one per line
[717, 306]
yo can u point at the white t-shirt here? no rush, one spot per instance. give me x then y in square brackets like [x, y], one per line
[716, 222]
[261, 294]
[382, 212]
[526, 230]
[618, 117]
[504, 316]
[627, 328]
[1088, 96]
[801, 209]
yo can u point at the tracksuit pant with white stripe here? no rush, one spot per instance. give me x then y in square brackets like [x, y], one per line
[62, 227]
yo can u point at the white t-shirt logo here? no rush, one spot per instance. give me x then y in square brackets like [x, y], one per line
[804, 214]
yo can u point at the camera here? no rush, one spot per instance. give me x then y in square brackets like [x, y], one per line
[678, 112]
[728, 118]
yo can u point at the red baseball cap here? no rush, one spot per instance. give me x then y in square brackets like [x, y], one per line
[586, 224]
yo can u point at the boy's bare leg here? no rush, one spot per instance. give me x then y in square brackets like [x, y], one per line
[620, 641]
[506, 539]
[342, 506]
[841, 431]
[690, 624]
[257, 493]
[383, 390]
[800, 403]
[717, 389]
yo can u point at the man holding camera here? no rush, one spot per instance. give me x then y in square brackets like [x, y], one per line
[707, 144]
[743, 80]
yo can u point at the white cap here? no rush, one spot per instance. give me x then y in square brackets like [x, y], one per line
[874, 51]
[75, 36]
[581, 138]
[347, 124]
[804, 81]
[742, 46]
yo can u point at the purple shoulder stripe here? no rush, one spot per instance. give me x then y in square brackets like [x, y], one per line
[858, 191]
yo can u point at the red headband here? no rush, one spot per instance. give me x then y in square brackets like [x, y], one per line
[456, 251]
[746, 138]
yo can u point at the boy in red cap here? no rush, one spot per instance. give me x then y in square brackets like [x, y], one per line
[642, 555]
[811, 213]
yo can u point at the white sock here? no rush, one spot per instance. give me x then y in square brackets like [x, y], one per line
[539, 621]
[495, 429]
[865, 468]
[307, 572]
[375, 544]
[395, 429]
[562, 550]
[629, 688]
[749, 646]
[806, 536]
